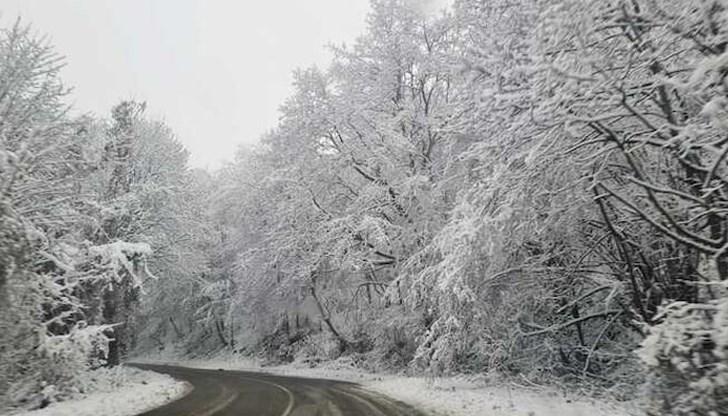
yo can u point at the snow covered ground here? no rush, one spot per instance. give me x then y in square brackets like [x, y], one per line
[453, 396]
[122, 391]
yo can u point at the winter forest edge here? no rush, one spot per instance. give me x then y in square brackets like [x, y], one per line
[521, 187]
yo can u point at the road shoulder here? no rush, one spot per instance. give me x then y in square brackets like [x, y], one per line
[123, 391]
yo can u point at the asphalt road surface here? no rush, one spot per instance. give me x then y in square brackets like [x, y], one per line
[239, 393]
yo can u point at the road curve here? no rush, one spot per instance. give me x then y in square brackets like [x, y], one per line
[241, 393]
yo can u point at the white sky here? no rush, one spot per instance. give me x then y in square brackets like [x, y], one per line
[215, 70]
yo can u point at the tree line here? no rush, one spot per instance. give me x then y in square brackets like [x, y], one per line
[89, 206]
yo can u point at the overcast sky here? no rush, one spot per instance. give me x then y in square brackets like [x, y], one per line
[215, 70]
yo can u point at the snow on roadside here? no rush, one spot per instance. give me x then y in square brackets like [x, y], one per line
[451, 396]
[122, 391]
[461, 396]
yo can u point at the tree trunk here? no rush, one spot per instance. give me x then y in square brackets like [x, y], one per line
[175, 327]
[220, 327]
[327, 320]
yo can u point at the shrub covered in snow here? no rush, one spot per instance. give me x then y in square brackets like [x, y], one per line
[686, 356]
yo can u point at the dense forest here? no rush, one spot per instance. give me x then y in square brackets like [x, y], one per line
[513, 186]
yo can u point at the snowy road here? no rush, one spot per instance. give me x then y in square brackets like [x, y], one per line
[222, 393]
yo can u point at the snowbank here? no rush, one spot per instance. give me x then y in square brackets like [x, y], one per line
[460, 396]
[452, 396]
[122, 391]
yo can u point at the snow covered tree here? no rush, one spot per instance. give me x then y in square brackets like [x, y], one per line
[148, 196]
[49, 335]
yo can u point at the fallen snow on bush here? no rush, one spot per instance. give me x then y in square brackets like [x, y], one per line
[121, 391]
[446, 396]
